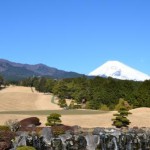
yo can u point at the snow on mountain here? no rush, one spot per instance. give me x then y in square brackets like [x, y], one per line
[118, 70]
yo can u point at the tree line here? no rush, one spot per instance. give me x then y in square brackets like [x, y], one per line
[1, 81]
[96, 92]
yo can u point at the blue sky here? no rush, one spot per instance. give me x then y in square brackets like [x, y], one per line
[76, 35]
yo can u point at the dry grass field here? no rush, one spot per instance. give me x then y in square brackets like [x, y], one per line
[15, 98]
[23, 100]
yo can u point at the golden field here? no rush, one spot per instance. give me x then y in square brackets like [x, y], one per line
[17, 98]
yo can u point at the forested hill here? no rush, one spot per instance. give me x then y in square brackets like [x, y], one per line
[97, 92]
[17, 71]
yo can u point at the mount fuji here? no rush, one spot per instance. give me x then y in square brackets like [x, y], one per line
[118, 70]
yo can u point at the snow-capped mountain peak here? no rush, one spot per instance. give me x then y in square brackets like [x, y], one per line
[118, 70]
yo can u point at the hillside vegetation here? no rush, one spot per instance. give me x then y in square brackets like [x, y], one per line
[13, 71]
[97, 92]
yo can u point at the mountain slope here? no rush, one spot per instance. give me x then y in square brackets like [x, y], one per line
[16, 71]
[118, 70]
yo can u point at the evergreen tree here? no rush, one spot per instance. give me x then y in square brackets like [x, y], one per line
[96, 91]
[53, 119]
[121, 118]
[60, 89]
[1, 80]
[62, 103]
[122, 103]
[71, 106]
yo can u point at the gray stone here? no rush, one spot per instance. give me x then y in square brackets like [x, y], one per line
[46, 133]
[92, 141]
[97, 130]
[64, 138]
[21, 139]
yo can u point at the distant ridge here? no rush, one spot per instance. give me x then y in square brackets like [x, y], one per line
[17, 71]
[118, 70]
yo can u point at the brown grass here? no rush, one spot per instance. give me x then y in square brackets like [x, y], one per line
[16, 98]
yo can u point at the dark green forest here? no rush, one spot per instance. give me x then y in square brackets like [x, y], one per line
[95, 92]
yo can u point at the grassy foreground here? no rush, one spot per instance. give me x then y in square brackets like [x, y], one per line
[62, 112]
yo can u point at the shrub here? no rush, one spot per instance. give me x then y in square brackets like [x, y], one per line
[104, 107]
[6, 135]
[61, 129]
[74, 105]
[25, 148]
[122, 103]
[30, 121]
[62, 103]
[12, 124]
[4, 128]
[5, 139]
[77, 106]
[4, 145]
[71, 106]
[92, 104]
[53, 119]
[58, 130]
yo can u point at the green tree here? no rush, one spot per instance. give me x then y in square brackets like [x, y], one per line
[1, 80]
[96, 91]
[71, 106]
[142, 95]
[42, 83]
[104, 107]
[62, 103]
[121, 118]
[93, 104]
[53, 119]
[60, 89]
[122, 103]
[49, 85]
